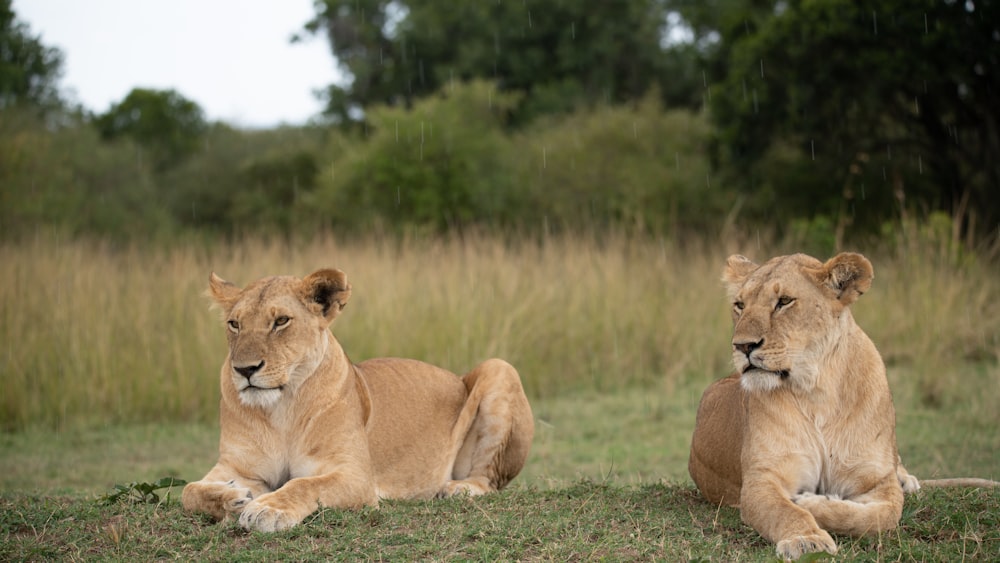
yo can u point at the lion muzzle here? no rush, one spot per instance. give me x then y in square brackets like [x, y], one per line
[248, 371]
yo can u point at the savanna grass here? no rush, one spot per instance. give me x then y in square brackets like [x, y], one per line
[96, 333]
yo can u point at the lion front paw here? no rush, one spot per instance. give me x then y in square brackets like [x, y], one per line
[806, 500]
[219, 499]
[793, 548]
[262, 516]
[468, 487]
[235, 498]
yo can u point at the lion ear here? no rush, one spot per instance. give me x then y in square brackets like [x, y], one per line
[738, 269]
[328, 291]
[849, 274]
[224, 294]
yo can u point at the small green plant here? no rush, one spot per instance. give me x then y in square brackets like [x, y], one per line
[137, 493]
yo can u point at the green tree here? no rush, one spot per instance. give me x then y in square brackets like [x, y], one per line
[857, 111]
[635, 167]
[558, 53]
[64, 177]
[161, 121]
[442, 165]
[29, 71]
[245, 180]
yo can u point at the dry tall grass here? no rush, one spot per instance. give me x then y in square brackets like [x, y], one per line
[95, 333]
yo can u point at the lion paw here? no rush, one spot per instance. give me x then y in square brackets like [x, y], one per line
[263, 518]
[805, 499]
[909, 483]
[236, 498]
[466, 487]
[792, 549]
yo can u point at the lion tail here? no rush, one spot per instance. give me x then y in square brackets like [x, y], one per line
[958, 482]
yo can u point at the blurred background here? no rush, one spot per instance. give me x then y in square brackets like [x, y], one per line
[830, 121]
[557, 182]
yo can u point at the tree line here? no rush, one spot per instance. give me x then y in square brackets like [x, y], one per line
[833, 117]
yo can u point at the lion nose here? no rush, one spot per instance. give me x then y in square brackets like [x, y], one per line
[248, 371]
[747, 347]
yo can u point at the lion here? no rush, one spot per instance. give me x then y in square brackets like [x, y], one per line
[802, 437]
[302, 427]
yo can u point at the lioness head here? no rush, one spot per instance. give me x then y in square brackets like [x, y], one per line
[277, 330]
[789, 313]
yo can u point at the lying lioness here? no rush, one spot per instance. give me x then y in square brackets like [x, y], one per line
[303, 427]
[802, 438]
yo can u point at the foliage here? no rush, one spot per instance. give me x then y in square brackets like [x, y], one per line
[830, 124]
[141, 492]
[560, 54]
[889, 107]
[244, 181]
[65, 179]
[440, 165]
[29, 71]
[450, 164]
[619, 167]
[163, 122]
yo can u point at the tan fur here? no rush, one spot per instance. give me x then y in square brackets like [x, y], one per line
[303, 427]
[802, 438]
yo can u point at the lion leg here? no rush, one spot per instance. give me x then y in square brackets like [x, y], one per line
[493, 433]
[714, 462]
[875, 511]
[221, 493]
[300, 497]
[765, 505]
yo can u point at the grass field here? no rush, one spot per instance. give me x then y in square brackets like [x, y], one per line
[584, 521]
[96, 333]
[631, 437]
[606, 480]
[111, 362]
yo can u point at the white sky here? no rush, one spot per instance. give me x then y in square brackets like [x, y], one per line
[231, 57]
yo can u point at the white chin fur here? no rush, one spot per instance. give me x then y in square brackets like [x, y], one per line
[760, 381]
[256, 397]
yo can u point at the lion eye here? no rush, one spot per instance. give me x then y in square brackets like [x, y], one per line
[233, 325]
[281, 321]
[739, 305]
[783, 302]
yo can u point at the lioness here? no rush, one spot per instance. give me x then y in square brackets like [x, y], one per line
[303, 427]
[803, 437]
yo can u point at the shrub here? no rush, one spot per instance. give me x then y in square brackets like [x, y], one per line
[441, 165]
[619, 166]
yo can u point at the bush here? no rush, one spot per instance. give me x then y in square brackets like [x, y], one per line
[450, 162]
[244, 181]
[440, 165]
[637, 167]
[64, 177]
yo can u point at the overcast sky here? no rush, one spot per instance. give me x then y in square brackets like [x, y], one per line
[232, 57]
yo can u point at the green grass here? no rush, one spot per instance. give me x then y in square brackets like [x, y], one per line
[584, 521]
[635, 436]
[606, 479]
